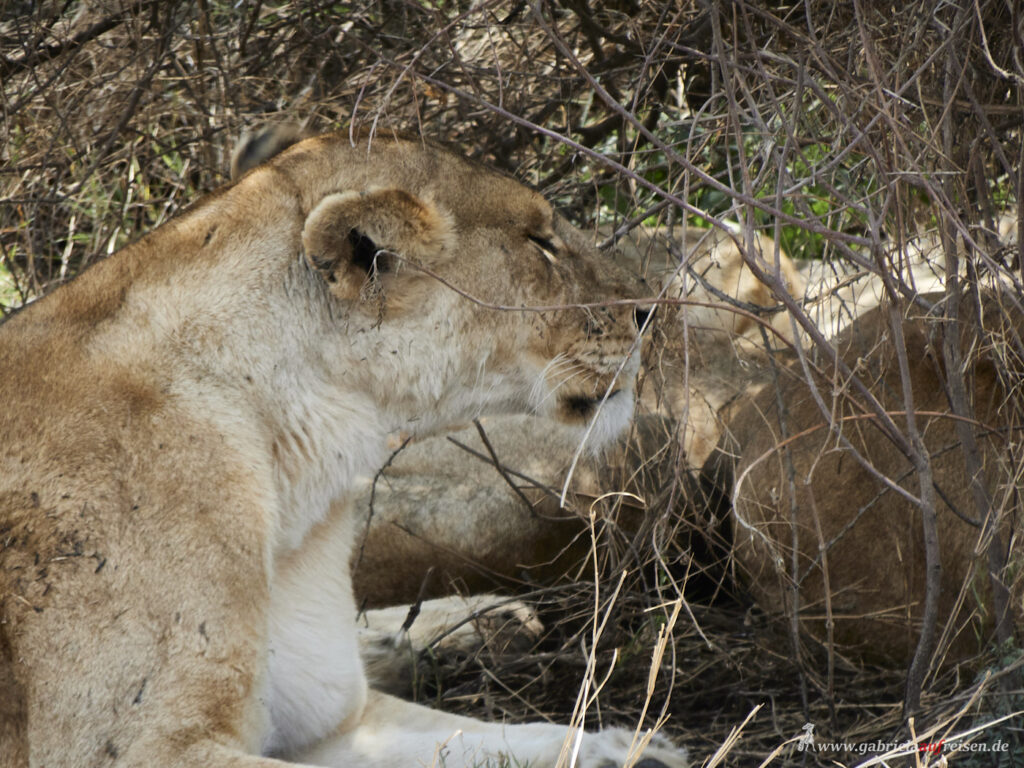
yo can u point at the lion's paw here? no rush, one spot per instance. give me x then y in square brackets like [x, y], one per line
[392, 639]
[469, 624]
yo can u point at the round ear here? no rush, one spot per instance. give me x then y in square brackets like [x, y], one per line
[256, 148]
[359, 239]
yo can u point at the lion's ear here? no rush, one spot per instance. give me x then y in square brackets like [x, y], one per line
[357, 240]
[258, 147]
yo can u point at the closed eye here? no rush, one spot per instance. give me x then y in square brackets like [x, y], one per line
[546, 247]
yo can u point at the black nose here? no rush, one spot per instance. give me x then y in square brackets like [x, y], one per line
[640, 315]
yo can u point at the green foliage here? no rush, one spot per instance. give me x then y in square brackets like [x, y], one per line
[8, 291]
[812, 185]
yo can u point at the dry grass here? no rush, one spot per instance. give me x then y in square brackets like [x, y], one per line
[840, 129]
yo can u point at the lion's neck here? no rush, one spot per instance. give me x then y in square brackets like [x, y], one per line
[304, 393]
[322, 432]
[322, 447]
[262, 359]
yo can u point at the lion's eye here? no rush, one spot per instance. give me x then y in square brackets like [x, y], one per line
[546, 247]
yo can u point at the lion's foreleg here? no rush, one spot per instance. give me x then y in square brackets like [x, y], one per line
[395, 734]
[316, 679]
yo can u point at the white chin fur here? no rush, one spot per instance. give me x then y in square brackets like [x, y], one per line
[611, 420]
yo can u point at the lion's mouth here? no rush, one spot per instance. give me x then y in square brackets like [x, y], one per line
[583, 407]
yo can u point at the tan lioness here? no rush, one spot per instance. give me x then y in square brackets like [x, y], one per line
[819, 534]
[174, 588]
[419, 538]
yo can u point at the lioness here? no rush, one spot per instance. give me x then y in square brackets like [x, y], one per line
[420, 540]
[177, 421]
[820, 535]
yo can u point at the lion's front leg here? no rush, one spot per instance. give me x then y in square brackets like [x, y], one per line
[393, 733]
[316, 678]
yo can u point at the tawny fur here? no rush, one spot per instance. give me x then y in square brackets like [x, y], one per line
[178, 420]
[859, 555]
[444, 519]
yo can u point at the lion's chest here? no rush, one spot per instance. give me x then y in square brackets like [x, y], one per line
[315, 675]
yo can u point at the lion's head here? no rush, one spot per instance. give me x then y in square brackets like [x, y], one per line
[412, 241]
[187, 410]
